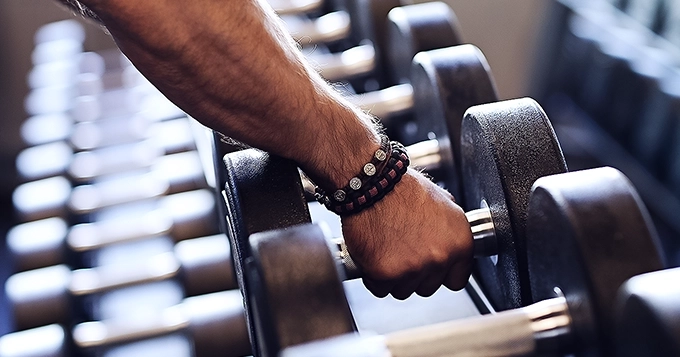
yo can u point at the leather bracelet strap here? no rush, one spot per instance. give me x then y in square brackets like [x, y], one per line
[353, 201]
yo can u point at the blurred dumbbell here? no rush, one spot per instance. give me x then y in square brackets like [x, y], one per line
[497, 139]
[54, 196]
[577, 261]
[146, 143]
[57, 125]
[206, 325]
[52, 241]
[58, 41]
[57, 295]
[645, 12]
[295, 7]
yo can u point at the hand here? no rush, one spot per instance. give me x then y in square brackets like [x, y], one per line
[414, 240]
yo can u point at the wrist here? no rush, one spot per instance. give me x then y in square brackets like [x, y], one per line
[346, 139]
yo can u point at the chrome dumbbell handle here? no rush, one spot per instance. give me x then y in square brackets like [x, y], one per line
[537, 328]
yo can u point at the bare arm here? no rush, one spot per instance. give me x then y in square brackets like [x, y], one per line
[231, 65]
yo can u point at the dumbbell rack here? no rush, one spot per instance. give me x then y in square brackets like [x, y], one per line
[599, 124]
[372, 314]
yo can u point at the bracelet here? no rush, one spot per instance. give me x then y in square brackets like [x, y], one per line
[377, 178]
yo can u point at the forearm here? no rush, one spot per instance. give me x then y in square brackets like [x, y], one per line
[218, 68]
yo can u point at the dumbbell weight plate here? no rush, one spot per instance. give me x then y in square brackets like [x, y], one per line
[283, 270]
[446, 82]
[414, 28]
[505, 147]
[260, 195]
[598, 238]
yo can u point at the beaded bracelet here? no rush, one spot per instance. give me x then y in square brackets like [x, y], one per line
[372, 184]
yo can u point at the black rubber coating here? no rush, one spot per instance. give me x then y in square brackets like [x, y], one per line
[446, 82]
[416, 28]
[587, 233]
[302, 298]
[505, 147]
[369, 18]
[648, 315]
[262, 192]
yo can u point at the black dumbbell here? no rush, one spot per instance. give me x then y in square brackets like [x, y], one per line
[52, 241]
[648, 315]
[260, 199]
[411, 30]
[201, 326]
[407, 31]
[445, 83]
[201, 265]
[588, 233]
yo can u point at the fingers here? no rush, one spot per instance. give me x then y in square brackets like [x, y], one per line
[407, 285]
[424, 283]
[432, 283]
[457, 276]
[378, 288]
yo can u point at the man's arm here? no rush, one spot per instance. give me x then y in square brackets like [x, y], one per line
[231, 65]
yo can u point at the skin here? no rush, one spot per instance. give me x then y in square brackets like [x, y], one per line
[231, 65]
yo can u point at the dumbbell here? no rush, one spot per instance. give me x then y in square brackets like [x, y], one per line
[407, 31]
[57, 126]
[50, 295]
[51, 196]
[55, 197]
[264, 192]
[201, 326]
[57, 40]
[52, 241]
[132, 148]
[295, 7]
[587, 233]
[444, 84]
[648, 315]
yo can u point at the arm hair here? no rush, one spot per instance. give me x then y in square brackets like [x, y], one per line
[81, 9]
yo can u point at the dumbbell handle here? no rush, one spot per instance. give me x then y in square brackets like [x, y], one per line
[483, 234]
[538, 328]
[328, 28]
[386, 103]
[356, 61]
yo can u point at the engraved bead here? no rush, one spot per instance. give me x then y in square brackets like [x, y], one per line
[355, 183]
[369, 169]
[380, 155]
[339, 195]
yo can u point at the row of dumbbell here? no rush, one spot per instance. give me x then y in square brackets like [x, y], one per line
[566, 245]
[626, 78]
[107, 116]
[504, 148]
[86, 231]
